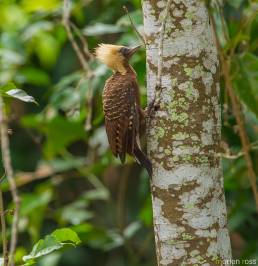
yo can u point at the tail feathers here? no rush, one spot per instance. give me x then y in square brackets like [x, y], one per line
[143, 159]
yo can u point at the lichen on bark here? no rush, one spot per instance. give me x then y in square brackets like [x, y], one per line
[187, 186]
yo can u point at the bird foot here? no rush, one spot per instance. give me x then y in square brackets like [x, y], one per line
[152, 106]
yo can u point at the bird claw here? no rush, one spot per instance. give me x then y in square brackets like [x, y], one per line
[152, 106]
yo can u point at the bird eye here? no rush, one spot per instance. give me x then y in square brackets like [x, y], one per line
[125, 51]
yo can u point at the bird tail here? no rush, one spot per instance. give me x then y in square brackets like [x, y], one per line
[142, 159]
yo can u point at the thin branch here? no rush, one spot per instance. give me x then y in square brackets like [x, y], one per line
[225, 63]
[228, 155]
[83, 41]
[82, 58]
[66, 23]
[242, 132]
[3, 229]
[141, 36]
[9, 173]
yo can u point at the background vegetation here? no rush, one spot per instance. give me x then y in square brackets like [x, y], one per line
[64, 170]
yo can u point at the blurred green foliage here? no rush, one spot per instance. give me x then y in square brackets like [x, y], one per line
[66, 175]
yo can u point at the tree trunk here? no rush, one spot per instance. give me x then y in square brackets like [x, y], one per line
[188, 200]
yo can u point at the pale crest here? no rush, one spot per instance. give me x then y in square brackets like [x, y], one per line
[110, 55]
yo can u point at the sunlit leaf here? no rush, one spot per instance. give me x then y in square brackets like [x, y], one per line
[12, 16]
[47, 48]
[52, 242]
[41, 5]
[9, 86]
[35, 28]
[66, 235]
[21, 95]
[43, 247]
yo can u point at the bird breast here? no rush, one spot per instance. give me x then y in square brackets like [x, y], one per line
[118, 98]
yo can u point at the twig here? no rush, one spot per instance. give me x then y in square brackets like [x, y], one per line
[66, 23]
[9, 173]
[82, 58]
[242, 132]
[141, 37]
[225, 63]
[228, 155]
[3, 229]
[83, 41]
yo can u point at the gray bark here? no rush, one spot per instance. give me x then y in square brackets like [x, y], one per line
[189, 208]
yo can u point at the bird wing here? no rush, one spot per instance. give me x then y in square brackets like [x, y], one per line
[121, 114]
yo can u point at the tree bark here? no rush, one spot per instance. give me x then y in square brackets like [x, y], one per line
[188, 200]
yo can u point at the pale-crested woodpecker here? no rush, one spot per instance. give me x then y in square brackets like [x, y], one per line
[121, 104]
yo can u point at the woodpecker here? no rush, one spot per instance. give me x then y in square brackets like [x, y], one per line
[121, 104]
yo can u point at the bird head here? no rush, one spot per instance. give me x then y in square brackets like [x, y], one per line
[115, 57]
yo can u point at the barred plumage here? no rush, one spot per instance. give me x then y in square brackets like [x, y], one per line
[121, 113]
[121, 104]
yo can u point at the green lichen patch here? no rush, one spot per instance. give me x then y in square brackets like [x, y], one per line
[180, 136]
[187, 236]
[188, 71]
[159, 132]
[167, 151]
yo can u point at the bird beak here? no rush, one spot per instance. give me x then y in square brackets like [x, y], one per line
[133, 50]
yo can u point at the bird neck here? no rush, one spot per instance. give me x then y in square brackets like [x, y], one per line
[126, 69]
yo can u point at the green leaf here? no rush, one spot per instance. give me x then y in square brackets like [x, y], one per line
[33, 76]
[33, 201]
[29, 263]
[47, 48]
[66, 235]
[146, 212]
[246, 81]
[35, 28]
[7, 87]
[21, 95]
[62, 132]
[40, 5]
[43, 247]
[55, 241]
